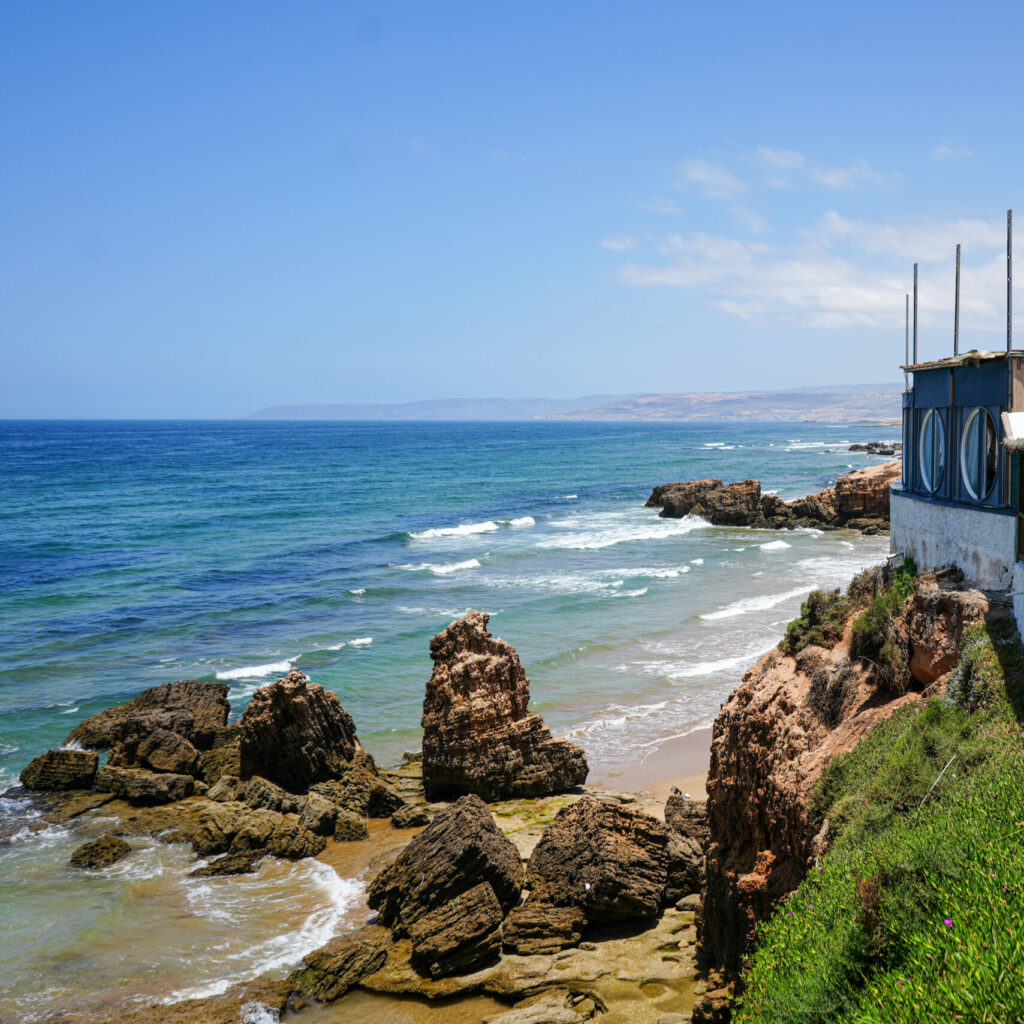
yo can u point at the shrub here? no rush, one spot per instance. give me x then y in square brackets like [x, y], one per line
[821, 622]
[832, 691]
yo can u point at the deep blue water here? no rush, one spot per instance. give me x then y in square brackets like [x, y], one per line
[138, 552]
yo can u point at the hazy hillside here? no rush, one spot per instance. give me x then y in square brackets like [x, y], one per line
[842, 403]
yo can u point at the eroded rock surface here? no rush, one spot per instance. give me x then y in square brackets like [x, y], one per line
[59, 770]
[295, 733]
[138, 786]
[100, 853]
[332, 970]
[859, 500]
[478, 735]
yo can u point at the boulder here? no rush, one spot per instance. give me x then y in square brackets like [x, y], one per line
[193, 709]
[138, 786]
[459, 935]
[319, 815]
[536, 927]
[226, 789]
[100, 853]
[295, 733]
[254, 829]
[457, 851]
[330, 971]
[61, 770]
[362, 791]
[260, 792]
[242, 862]
[224, 758]
[349, 827]
[685, 868]
[292, 841]
[159, 750]
[478, 735]
[607, 859]
[688, 818]
[410, 816]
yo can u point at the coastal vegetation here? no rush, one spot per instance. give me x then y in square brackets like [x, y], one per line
[914, 912]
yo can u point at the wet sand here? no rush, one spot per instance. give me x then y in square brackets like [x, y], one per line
[681, 761]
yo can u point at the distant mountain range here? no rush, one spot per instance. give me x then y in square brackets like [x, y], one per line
[840, 403]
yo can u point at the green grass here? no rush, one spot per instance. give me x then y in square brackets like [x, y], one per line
[822, 618]
[916, 914]
[873, 637]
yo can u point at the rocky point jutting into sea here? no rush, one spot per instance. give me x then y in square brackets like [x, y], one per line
[560, 900]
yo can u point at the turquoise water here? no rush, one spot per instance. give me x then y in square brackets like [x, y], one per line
[137, 553]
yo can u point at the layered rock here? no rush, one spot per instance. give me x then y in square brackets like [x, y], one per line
[609, 860]
[59, 770]
[295, 733]
[858, 500]
[773, 738]
[478, 736]
[688, 818]
[192, 709]
[332, 970]
[450, 888]
[138, 786]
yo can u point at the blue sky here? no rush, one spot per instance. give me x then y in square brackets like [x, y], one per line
[210, 208]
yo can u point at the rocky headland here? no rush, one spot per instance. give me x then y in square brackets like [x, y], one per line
[859, 501]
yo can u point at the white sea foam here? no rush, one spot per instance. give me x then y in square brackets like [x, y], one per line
[68, 711]
[682, 670]
[463, 530]
[69, 745]
[259, 1013]
[442, 568]
[616, 528]
[658, 573]
[696, 561]
[631, 593]
[257, 671]
[568, 497]
[755, 604]
[521, 522]
[358, 591]
[775, 545]
[363, 641]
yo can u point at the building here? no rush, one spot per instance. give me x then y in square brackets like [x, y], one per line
[959, 497]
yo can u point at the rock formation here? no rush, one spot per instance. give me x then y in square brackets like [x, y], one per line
[332, 970]
[449, 890]
[61, 770]
[859, 500]
[688, 818]
[100, 853]
[194, 710]
[771, 741]
[478, 736]
[295, 733]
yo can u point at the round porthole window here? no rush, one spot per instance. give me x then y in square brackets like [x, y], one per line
[978, 454]
[933, 450]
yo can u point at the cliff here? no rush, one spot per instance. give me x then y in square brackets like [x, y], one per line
[849, 663]
[859, 500]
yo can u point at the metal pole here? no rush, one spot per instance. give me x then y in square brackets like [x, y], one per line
[1009, 280]
[915, 314]
[956, 306]
[906, 345]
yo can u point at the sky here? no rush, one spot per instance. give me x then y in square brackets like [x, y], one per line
[212, 208]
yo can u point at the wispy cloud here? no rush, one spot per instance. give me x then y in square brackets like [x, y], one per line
[784, 166]
[787, 158]
[750, 219]
[619, 243]
[715, 180]
[661, 205]
[946, 151]
[837, 273]
[858, 174]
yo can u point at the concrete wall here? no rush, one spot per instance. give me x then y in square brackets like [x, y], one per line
[983, 544]
[1018, 595]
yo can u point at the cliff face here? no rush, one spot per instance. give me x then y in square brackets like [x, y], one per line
[775, 735]
[858, 500]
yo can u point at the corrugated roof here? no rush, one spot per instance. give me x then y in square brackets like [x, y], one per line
[974, 357]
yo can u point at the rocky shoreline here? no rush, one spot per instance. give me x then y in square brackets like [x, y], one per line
[857, 501]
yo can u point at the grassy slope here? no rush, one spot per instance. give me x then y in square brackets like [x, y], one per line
[916, 914]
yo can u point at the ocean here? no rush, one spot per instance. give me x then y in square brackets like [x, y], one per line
[134, 553]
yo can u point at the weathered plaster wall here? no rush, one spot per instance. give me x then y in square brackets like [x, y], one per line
[982, 544]
[1018, 595]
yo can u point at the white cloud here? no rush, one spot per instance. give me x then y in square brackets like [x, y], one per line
[855, 175]
[946, 151]
[619, 243]
[713, 179]
[750, 219]
[787, 158]
[838, 273]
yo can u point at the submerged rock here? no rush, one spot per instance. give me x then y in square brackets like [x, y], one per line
[478, 735]
[295, 733]
[100, 853]
[242, 862]
[61, 770]
[193, 709]
[607, 859]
